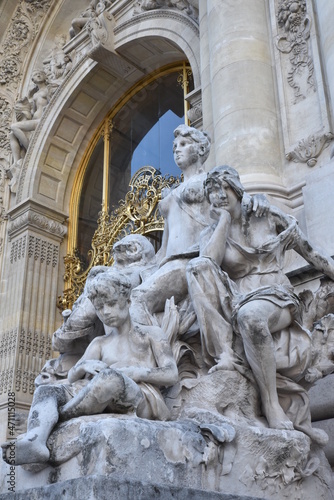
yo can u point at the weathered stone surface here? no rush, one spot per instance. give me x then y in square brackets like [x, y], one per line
[190, 454]
[115, 488]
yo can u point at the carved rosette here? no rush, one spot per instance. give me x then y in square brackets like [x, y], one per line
[137, 214]
[295, 25]
[309, 149]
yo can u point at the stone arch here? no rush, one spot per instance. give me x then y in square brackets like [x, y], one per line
[141, 44]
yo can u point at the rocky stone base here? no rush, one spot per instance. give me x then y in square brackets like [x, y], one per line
[117, 488]
[210, 453]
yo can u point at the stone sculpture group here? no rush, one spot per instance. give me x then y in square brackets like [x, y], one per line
[208, 331]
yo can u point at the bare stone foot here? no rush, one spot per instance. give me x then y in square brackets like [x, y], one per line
[25, 451]
[277, 419]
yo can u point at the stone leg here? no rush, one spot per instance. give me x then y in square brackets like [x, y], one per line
[150, 297]
[211, 293]
[109, 388]
[257, 320]
[43, 416]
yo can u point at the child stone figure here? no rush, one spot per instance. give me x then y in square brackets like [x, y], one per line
[119, 372]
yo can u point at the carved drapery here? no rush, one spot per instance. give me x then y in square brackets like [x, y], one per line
[137, 213]
[295, 25]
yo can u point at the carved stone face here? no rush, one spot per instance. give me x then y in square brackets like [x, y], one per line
[38, 76]
[186, 151]
[111, 308]
[221, 195]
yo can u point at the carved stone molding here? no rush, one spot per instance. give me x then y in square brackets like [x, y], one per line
[309, 149]
[8, 343]
[33, 349]
[6, 380]
[182, 5]
[45, 117]
[42, 250]
[295, 24]
[18, 249]
[163, 13]
[30, 216]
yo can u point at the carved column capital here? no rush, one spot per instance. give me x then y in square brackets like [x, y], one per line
[41, 219]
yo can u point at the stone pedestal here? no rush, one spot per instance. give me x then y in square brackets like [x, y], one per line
[203, 449]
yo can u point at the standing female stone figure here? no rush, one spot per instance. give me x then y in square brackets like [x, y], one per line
[261, 301]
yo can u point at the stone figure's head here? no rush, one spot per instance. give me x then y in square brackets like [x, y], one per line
[133, 249]
[220, 175]
[223, 189]
[109, 293]
[190, 145]
[38, 76]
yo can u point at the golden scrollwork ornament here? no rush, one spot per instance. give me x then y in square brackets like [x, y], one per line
[136, 214]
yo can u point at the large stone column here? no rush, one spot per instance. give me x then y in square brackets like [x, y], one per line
[242, 88]
[325, 11]
[208, 125]
[27, 306]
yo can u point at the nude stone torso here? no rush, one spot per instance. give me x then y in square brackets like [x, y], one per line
[131, 350]
[186, 213]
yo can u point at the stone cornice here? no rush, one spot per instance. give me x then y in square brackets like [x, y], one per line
[158, 14]
[31, 215]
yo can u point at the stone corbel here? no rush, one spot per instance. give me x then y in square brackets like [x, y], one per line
[309, 149]
[101, 31]
[195, 113]
[41, 219]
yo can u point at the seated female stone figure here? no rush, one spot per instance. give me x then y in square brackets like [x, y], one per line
[252, 293]
[120, 372]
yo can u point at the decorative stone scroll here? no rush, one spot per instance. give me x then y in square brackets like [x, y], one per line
[295, 23]
[309, 149]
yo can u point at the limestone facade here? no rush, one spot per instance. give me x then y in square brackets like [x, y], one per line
[263, 75]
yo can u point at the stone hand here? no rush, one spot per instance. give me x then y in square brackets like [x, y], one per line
[259, 205]
[93, 367]
[219, 213]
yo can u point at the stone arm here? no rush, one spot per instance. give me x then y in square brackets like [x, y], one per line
[161, 254]
[90, 363]
[166, 373]
[301, 244]
[316, 257]
[213, 239]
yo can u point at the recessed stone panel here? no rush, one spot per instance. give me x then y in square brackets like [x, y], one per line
[102, 81]
[83, 104]
[56, 157]
[48, 186]
[68, 129]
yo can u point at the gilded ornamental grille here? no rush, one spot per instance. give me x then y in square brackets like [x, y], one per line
[137, 213]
